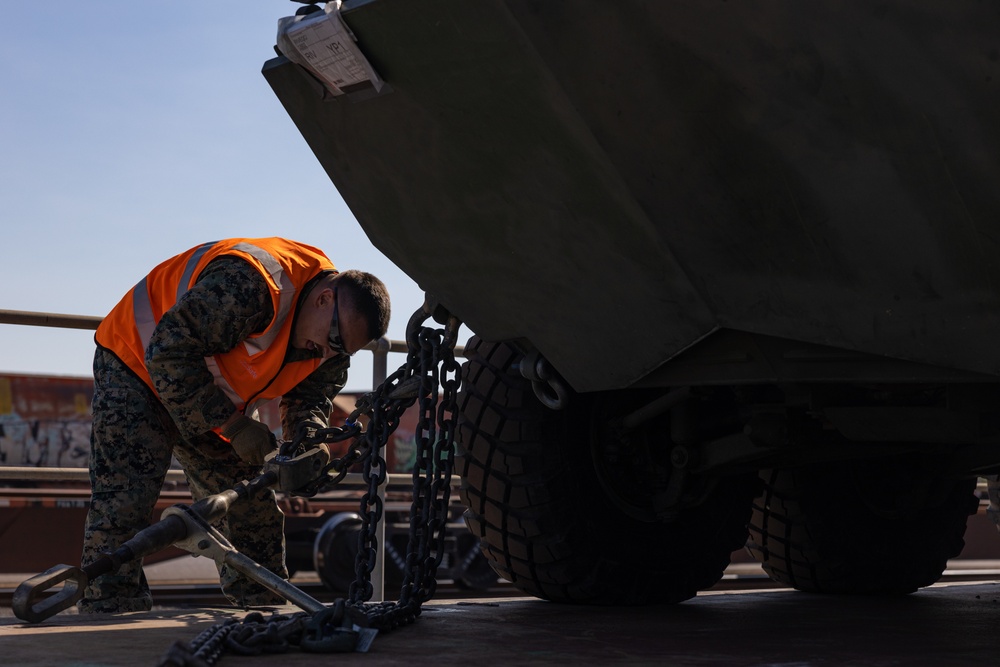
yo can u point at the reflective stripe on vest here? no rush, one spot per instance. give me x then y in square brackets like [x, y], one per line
[182, 286]
[285, 301]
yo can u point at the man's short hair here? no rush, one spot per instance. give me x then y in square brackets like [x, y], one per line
[370, 299]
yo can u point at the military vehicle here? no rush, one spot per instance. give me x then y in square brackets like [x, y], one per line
[731, 268]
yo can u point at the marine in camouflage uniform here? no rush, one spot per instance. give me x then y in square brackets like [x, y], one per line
[135, 434]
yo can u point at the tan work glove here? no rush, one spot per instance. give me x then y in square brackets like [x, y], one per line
[251, 439]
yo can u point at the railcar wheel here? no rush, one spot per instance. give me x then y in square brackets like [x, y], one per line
[335, 551]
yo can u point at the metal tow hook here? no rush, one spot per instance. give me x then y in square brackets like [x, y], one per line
[550, 389]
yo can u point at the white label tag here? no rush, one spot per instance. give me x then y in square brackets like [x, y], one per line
[322, 43]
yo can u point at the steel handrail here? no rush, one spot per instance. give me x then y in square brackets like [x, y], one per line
[91, 322]
[80, 474]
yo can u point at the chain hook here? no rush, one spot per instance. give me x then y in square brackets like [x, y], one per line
[548, 386]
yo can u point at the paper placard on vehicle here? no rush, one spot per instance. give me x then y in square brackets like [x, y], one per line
[324, 44]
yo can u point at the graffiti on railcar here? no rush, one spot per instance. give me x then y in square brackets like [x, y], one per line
[45, 421]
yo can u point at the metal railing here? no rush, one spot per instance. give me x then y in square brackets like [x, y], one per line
[380, 350]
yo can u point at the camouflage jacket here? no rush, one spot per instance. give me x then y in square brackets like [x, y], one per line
[229, 302]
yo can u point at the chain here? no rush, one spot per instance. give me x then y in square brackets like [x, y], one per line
[251, 636]
[431, 377]
[431, 359]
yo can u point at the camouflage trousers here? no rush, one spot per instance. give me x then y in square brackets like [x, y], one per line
[132, 443]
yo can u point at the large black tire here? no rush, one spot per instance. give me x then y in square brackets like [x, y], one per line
[871, 528]
[544, 521]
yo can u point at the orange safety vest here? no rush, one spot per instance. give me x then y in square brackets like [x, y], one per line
[252, 371]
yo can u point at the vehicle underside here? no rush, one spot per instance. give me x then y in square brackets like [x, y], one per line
[833, 485]
[730, 270]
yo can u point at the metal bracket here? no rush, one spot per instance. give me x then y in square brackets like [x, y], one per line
[297, 472]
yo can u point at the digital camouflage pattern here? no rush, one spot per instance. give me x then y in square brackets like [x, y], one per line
[135, 436]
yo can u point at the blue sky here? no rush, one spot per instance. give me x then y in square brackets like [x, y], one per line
[130, 131]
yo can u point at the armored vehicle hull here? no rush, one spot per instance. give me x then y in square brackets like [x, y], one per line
[704, 247]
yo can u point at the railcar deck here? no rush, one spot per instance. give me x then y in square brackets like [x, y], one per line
[946, 624]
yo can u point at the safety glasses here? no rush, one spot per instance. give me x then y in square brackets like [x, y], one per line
[335, 341]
